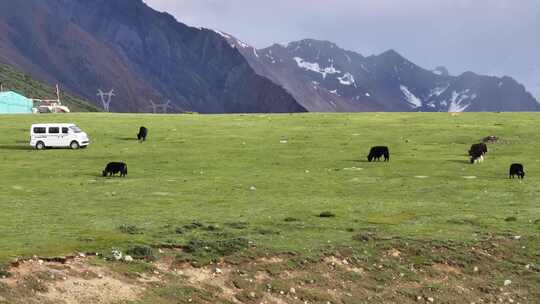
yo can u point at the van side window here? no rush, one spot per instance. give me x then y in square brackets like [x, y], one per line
[65, 130]
[40, 130]
[54, 130]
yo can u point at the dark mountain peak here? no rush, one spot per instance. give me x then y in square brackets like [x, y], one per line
[468, 74]
[441, 71]
[391, 55]
[312, 43]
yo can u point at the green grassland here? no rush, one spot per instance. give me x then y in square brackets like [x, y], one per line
[202, 168]
[14, 80]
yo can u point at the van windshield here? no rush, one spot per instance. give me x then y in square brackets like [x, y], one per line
[75, 129]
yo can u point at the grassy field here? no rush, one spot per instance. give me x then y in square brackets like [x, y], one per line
[266, 178]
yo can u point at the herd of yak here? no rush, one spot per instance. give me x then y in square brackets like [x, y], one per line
[476, 152]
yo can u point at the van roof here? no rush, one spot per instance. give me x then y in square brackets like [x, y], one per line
[53, 125]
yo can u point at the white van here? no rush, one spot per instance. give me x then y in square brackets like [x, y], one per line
[58, 135]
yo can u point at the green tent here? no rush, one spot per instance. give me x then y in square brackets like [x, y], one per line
[14, 103]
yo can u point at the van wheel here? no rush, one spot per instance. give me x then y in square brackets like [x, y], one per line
[74, 145]
[40, 145]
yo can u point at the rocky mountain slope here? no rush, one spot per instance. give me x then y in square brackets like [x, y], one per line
[324, 77]
[142, 54]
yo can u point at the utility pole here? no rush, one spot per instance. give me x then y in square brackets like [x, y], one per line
[160, 108]
[106, 98]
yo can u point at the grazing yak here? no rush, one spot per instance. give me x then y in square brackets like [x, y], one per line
[477, 152]
[115, 168]
[377, 152]
[143, 132]
[517, 169]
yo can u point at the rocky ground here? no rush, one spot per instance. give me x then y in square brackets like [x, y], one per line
[496, 269]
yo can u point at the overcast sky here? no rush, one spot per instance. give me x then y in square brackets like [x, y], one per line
[495, 37]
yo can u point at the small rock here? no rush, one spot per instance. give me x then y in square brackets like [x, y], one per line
[292, 290]
[117, 255]
[100, 276]
[475, 269]
[128, 258]
[252, 295]
[507, 282]
[528, 266]
[431, 300]
[517, 237]
[253, 188]
[218, 271]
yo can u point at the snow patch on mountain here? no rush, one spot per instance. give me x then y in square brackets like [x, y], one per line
[437, 91]
[315, 67]
[347, 79]
[411, 98]
[223, 34]
[457, 103]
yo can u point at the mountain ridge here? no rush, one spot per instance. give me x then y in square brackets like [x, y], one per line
[350, 81]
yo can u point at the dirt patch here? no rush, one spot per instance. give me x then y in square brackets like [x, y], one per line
[378, 269]
[75, 281]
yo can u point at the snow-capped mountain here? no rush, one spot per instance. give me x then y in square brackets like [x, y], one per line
[325, 78]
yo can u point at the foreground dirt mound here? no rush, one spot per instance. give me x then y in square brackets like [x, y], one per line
[75, 281]
[493, 270]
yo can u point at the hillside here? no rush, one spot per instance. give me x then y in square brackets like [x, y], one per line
[140, 53]
[324, 77]
[14, 80]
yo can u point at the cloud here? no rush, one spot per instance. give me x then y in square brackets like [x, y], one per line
[498, 37]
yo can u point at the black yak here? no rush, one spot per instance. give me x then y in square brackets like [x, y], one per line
[143, 132]
[115, 168]
[517, 169]
[377, 152]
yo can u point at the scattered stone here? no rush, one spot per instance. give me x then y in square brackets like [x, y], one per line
[252, 295]
[431, 300]
[218, 271]
[491, 139]
[517, 237]
[507, 282]
[475, 269]
[292, 290]
[128, 258]
[284, 141]
[253, 188]
[117, 255]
